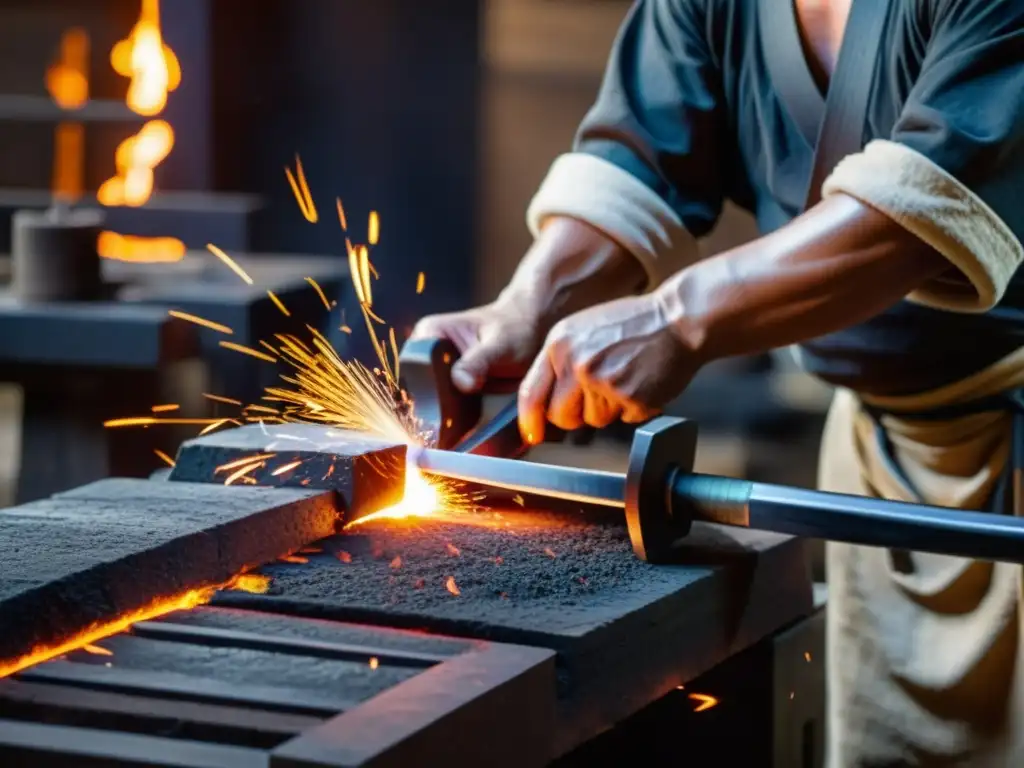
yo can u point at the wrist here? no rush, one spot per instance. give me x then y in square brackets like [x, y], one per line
[570, 267]
[685, 315]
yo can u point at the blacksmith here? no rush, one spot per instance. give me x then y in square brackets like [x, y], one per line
[881, 148]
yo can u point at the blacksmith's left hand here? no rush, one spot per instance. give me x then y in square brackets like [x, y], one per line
[619, 360]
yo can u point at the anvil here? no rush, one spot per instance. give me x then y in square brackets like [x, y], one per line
[662, 496]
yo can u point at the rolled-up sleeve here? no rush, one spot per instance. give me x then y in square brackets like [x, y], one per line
[644, 168]
[952, 170]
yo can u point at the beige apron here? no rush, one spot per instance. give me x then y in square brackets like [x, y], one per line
[923, 649]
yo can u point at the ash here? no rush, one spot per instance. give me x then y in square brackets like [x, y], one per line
[511, 559]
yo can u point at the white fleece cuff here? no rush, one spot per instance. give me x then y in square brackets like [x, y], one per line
[933, 205]
[606, 197]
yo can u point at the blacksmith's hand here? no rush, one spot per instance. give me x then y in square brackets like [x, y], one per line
[496, 343]
[619, 360]
[570, 266]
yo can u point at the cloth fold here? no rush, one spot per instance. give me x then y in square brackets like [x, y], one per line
[936, 207]
[924, 651]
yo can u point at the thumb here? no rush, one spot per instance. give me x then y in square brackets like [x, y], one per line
[471, 371]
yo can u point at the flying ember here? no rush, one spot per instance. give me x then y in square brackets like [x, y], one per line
[320, 387]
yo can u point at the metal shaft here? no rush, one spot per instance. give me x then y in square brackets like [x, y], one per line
[728, 501]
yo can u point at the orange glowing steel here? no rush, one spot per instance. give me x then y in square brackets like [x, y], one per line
[100, 630]
[148, 62]
[706, 702]
[301, 190]
[229, 262]
[421, 282]
[278, 303]
[200, 321]
[247, 351]
[254, 583]
[164, 457]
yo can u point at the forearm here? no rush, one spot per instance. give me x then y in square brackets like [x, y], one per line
[570, 267]
[837, 265]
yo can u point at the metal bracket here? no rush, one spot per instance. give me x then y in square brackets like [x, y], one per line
[661, 448]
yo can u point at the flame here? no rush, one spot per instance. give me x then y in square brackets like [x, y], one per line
[67, 81]
[148, 250]
[135, 159]
[153, 71]
[148, 62]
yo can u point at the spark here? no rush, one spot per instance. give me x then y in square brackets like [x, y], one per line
[286, 468]
[373, 229]
[97, 650]
[229, 262]
[300, 189]
[164, 457]
[279, 304]
[200, 321]
[341, 214]
[319, 292]
[222, 399]
[310, 551]
[550, 552]
[421, 282]
[217, 424]
[242, 471]
[519, 500]
[243, 461]
[147, 421]
[451, 586]
[165, 408]
[247, 351]
[452, 549]
[396, 563]
[706, 701]
[374, 662]
[344, 556]
[296, 559]
[807, 656]
[345, 329]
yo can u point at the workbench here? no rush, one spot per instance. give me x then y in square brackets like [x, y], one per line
[560, 647]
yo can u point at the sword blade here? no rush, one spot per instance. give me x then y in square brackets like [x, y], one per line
[607, 489]
[741, 503]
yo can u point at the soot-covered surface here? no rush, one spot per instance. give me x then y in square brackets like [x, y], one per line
[523, 575]
[322, 681]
